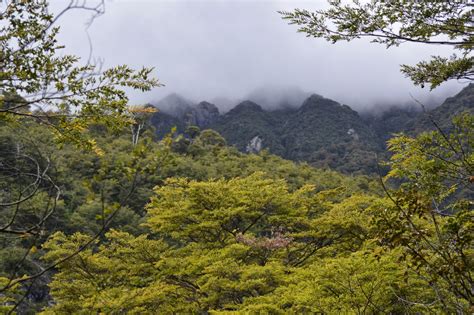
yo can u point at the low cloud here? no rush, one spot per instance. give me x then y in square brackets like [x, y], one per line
[227, 50]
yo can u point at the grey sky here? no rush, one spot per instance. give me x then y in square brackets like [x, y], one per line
[209, 49]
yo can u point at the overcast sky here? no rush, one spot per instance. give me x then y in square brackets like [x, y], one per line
[209, 49]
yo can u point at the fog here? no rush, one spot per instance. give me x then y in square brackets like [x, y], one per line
[226, 51]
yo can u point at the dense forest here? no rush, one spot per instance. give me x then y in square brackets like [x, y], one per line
[111, 209]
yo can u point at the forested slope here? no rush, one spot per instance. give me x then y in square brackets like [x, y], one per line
[223, 231]
[320, 131]
[101, 212]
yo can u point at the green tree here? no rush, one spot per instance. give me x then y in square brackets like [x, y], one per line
[54, 94]
[55, 89]
[223, 242]
[64, 189]
[358, 283]
[391, 23]
[431, 217]
[245, 245]
[141, 115]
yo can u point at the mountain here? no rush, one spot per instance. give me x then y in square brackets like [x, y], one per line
[444, 114]
[278, 97]
[175, 110]
[328, 134]
[174, 105]
[391, 121]
[249, 121]
[412, 120]
[320, 131]
[203, 114]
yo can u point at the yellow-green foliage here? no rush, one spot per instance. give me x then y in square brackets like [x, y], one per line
[279, 238]
[246, 245]
[224, 232]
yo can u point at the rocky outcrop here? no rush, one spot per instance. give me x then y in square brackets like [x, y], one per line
[202, 115]
[186, 113]
[254, 145]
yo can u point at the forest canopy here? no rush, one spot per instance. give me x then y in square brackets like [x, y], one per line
[99, 214]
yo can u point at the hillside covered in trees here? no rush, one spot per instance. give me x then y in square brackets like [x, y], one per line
[319, 131]
[107, 208]
[223, 230]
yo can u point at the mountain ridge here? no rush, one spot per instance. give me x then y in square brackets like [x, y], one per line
[321, 131]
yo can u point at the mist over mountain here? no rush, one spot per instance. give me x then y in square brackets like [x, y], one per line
[301, 127]
[278, 97]
[247, 46]
[224, 157]
[223, 103]
[269, 97]
[174, 105]
[275, 97]
[444, 114]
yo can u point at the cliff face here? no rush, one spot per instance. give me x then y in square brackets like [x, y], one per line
[203, 115]
[175, 110]
[246, 121]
